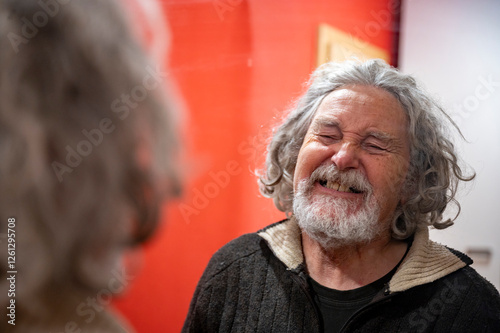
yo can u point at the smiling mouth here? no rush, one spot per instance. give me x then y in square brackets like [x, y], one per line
[338, 187]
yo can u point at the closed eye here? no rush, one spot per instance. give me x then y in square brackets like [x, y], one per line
[374, 148]
[378, 142]
[328, 139]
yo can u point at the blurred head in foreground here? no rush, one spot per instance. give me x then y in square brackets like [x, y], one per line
[87, 147]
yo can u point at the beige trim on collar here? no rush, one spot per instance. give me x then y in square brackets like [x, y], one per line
[425, 262]
[286, 243]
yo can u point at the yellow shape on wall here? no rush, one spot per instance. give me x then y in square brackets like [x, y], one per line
[336, 45]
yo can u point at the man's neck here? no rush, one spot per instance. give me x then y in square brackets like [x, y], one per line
[351, 267]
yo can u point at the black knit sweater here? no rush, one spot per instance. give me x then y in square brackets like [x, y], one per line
[257, 283]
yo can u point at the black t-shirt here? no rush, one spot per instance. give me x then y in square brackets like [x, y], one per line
[337, 306]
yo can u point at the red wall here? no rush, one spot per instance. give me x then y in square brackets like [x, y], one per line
[238, 64]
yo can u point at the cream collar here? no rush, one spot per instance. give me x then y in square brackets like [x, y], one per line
[425, 262]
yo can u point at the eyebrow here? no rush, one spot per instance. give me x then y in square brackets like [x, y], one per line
[330, 123]
[324, 122]
[382, 136]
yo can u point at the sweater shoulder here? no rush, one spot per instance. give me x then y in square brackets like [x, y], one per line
[480, 301]
[469, 282]
[481, 286]
[240, 248]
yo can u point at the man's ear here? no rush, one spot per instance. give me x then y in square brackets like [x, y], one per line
[405, 196]
[409, 189]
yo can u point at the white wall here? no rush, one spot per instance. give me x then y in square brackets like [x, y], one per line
[453, 48]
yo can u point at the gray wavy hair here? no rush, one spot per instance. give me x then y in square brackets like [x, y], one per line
[75, 219]
[434, 172]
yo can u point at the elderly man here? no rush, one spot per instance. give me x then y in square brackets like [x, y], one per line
[363, 168]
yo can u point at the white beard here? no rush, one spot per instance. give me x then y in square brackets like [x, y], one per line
[334, 222]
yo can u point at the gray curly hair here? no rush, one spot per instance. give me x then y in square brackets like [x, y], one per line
[434, 172]
[61, 81]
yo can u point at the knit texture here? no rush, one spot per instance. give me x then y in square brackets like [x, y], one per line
[427, 261]
[245, 288]
[285, 241]
[257, 283]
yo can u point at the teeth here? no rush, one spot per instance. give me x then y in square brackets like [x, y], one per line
[343, 188]
[333, 185]
[337, 187]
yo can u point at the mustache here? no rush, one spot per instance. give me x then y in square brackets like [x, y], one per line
[350, 178]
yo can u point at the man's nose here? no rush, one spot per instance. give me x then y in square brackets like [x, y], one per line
[346, 156]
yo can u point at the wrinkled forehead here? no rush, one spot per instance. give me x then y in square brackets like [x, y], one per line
[361, 107]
